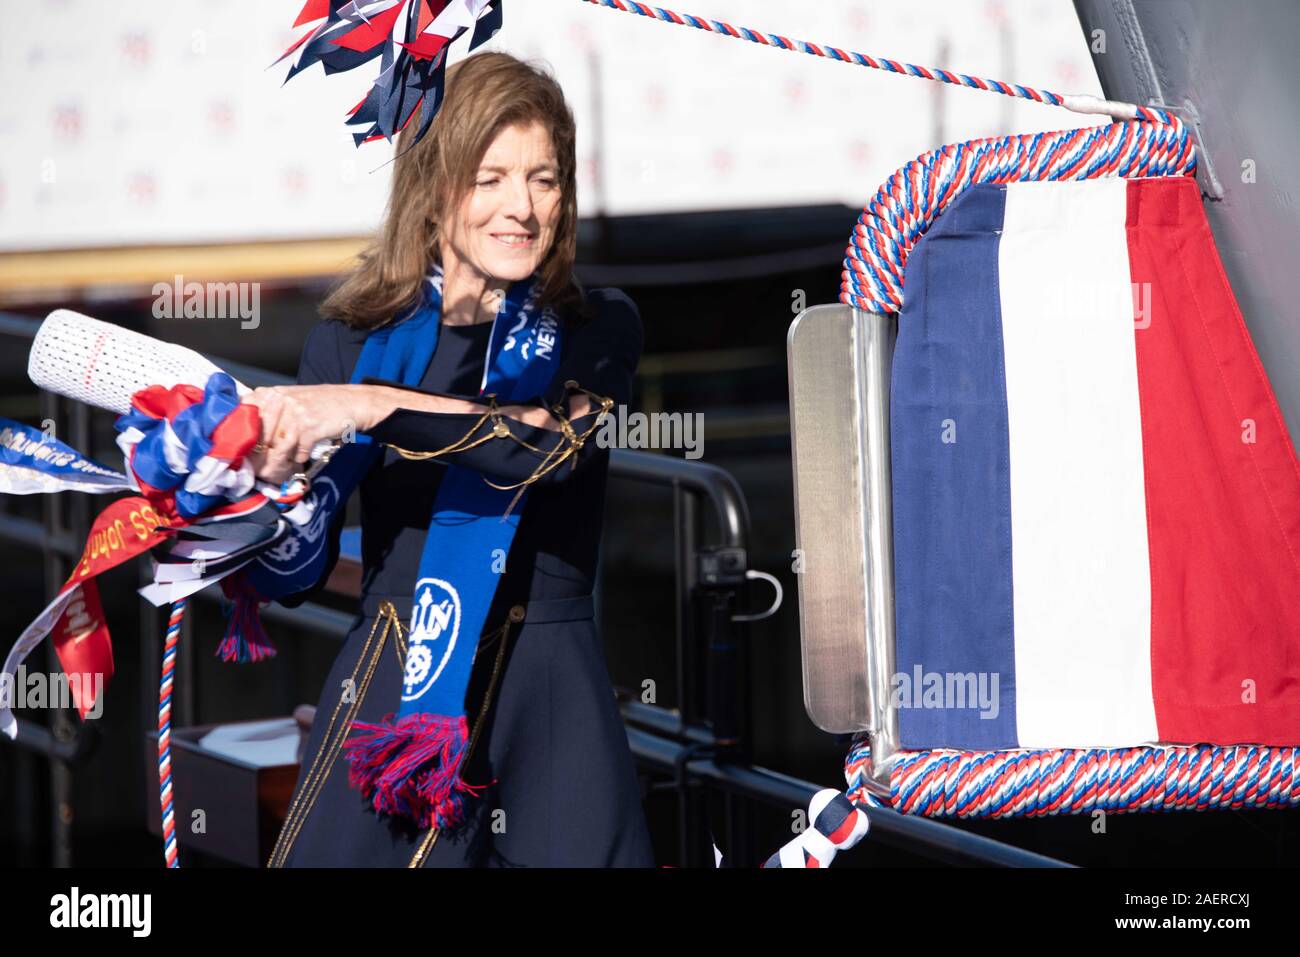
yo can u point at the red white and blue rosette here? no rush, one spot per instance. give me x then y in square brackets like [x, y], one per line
[199, 512]
[188, 448]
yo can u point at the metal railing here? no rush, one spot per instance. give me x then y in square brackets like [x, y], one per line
[704, 743]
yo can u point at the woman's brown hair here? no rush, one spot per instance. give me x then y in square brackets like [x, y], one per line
[485, 93]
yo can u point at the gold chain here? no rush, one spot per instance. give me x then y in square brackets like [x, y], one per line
[575, 443]
[569, 440]
[399, 645]
[459, 446]
[500, 430]
[516, 615]
[332, 741]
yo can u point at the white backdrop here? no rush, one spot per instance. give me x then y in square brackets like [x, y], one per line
[158, 122]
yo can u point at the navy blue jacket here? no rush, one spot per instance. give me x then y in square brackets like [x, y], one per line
[561, 784]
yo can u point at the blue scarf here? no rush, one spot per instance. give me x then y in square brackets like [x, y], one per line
[410, 766]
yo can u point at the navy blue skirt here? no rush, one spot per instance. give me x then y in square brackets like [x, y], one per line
[562, 789]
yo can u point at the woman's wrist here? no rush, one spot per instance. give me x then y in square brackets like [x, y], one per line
[381, 401]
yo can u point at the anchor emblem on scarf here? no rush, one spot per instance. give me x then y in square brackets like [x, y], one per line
[436, 614]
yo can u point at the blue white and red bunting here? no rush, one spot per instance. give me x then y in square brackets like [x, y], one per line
[1090, 466]
[409, 37]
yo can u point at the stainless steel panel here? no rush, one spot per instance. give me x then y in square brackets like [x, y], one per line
[829, 522]
[874, 335]
[839, 360]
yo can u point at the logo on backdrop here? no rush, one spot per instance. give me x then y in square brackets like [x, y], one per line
[435, 624]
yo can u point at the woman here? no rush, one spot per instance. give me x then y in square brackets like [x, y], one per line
[483, 208]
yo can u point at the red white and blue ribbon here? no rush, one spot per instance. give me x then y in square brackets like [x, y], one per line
[409, 37]
[32, 462]
[186, 451]
[835, 824]
[202, 514]
[125, 529]
[187, 447]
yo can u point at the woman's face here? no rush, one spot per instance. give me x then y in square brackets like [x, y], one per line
[504, 226]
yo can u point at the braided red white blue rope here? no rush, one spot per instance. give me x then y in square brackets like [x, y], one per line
[1156, 144]
[722, 28]
[247, 643]
[168, 812]
[910, 200]
[1153, 143]
[1076, 781]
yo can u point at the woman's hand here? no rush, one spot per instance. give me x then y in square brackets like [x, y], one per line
[296, 417]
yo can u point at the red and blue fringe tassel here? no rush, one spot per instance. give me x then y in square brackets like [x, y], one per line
[411, 767]
[245, 640]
